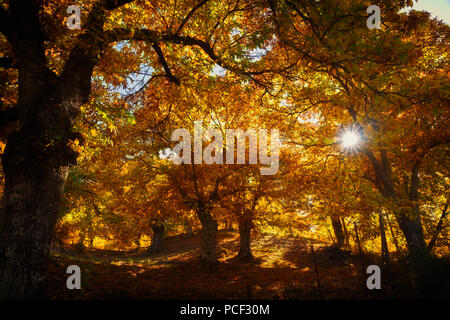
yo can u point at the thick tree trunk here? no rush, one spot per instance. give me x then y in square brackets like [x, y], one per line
[30, 203]
[208, 253]
[411, 226]
[157, 238]
[408, 220]
[245, 227]
[338, 231]
[35, 163]
[37, 157]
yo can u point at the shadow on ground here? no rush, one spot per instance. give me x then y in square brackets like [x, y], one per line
[282, 269]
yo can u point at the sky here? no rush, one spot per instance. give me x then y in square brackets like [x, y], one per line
[438, 8]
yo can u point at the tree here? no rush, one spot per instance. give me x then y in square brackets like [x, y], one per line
[55, 69]
[339, 46]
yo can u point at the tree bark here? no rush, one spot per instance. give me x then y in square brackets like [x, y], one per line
[34, 182]
[188, 227]
[439, 228]
[361, 254]
[394, 237]
[409, 220]
[384, 244]
[137, 242]
[208, 253]
[35, 163]
[411, 226]
[81, 238]
[157, 238]
[245, 227]
[37, 157]
[338, 231]
[331, 236]
[346, 233]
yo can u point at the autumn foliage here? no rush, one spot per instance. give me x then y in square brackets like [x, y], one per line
[86, 123]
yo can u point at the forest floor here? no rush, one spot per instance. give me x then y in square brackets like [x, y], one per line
[283, 268]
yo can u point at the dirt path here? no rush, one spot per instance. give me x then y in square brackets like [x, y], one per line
[282, 269]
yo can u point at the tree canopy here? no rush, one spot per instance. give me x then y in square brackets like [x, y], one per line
[87, 116]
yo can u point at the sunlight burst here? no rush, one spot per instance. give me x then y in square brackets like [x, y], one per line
[350, 139]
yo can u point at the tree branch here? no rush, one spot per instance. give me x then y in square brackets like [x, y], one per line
[386, 182]
[114, 4]
[163, 62]
[85, 55]
[189, 15]
[121, 34]
[439, 227]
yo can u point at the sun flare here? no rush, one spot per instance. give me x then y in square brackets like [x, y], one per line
[350, 139]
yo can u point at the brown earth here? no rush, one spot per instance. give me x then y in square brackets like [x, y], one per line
[283, 269]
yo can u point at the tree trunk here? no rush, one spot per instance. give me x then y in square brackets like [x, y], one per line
[137, 242]
[384, 244]
[245, 227]
[208, 253]
[361, 254]
[411, 227]
[36, 162]
[409, 220]
[91, 241]
[439, 228]
[188, 227]
[37, 156]
[331, 236]
[157, 238]
[338, 231]
[81, 238]
[30, 203]
[394, 237]
[346, 233]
